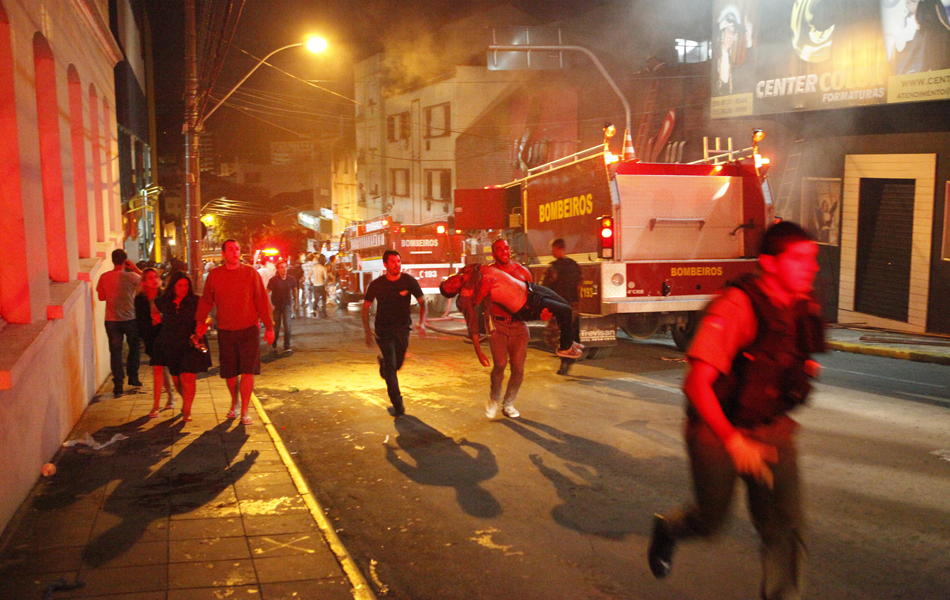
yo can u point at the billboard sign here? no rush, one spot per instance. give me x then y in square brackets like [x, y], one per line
[774, 56]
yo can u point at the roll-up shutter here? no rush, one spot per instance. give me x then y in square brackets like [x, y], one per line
[885, 234]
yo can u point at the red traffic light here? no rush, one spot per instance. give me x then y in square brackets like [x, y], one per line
[606, 247]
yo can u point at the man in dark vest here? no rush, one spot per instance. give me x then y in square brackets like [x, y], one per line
[749, 366]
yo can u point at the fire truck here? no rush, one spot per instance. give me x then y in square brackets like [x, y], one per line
[654, 240]
[430, 252]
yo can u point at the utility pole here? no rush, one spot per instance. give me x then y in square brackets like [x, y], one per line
[192, 166]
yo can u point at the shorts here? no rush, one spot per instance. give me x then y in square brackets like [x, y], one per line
[239, 352]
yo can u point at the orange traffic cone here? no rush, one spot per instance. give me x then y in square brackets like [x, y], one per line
[628, 152]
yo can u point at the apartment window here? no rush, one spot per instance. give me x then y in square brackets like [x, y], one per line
[438, 184]
[691, 51]
[397, 127]
[438, 121]
[399, 182]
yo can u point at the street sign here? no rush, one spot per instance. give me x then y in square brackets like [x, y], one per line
[521, 60]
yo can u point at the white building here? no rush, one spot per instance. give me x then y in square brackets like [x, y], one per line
[411, 112]
[59, 220]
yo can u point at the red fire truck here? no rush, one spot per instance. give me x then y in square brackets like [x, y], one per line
[429, 251]
[654, 241]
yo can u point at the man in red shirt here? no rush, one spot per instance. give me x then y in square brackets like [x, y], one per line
[238, 293]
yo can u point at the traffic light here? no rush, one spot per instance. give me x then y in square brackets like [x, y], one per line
[606, 247]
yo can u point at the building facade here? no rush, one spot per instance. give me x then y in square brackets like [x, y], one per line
[60, 217]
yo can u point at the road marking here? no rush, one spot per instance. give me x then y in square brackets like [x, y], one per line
[361, 589]
[933, 385]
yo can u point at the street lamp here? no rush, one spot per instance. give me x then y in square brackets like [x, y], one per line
[194, 125]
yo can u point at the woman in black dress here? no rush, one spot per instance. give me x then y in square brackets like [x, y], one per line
[174, 345]
[149, 320]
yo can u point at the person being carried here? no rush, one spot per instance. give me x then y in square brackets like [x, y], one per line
[522, 300]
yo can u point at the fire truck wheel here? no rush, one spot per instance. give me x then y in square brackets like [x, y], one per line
[435, 304]
[641, 326]
[598, 352]
[683, 331]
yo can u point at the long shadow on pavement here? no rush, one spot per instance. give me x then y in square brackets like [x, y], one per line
[191, 479]
[618, 493]
[441, 461]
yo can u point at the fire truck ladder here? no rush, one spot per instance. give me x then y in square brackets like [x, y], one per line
[788, 178]
[647, 116]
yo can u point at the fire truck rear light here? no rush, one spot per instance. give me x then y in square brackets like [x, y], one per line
[607, 232]
[440, 229]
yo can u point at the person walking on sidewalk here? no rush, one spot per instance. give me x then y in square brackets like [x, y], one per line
[563, 277]
[175, 346]
[393, 322]
[149, 319]
[306, 264]
[749, 366]
[238, 293]
[283, 288]
[117, 289]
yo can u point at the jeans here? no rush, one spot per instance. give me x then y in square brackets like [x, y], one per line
[392, 348]
[307, 293]
[776, 513]
[115, 330]
[283, 315]
[509, 341]
[541, 298]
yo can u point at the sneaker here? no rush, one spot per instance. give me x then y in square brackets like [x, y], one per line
[572, 352]
[662, 544]
[491, 408]
[135, 383]
[511, 412]
[117, 391]
[288, 350]
[232, 414]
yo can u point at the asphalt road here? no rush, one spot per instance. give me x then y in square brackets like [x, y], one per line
[445, 504]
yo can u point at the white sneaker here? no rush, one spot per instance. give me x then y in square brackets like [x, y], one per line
[511, 412]
[491, 408]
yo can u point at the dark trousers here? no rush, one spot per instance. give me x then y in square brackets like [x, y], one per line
[115, 331]
[319, 299]
[392, 348]
[776, 513]
[541, 298]
[282, 315]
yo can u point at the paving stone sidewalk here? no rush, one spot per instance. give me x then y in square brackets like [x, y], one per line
[206, 509]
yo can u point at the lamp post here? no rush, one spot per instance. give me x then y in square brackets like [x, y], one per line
[194, 125]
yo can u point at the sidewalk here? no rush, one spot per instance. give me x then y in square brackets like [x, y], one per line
[928, 348]
[206, 509]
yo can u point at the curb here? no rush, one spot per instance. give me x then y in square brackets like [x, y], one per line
[361, 589]
[914, 355]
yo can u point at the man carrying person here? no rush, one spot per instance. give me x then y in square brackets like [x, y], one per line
[523, 301]
[283, 289]
[117, 289]
[749, 366]
[238, 293]
[393, 322]
[563, 277]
